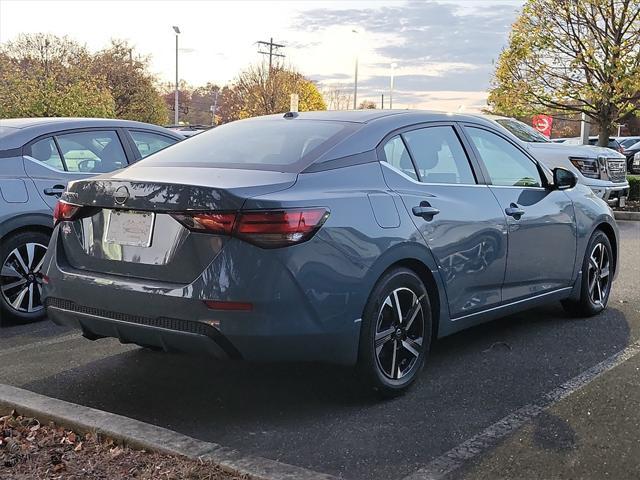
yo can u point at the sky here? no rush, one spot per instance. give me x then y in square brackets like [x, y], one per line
[444, 50]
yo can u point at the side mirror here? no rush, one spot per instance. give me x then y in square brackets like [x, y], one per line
[564, 179]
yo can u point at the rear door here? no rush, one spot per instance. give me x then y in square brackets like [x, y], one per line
[542, 237]
[456, 214]
[146, 142]
[55, 160]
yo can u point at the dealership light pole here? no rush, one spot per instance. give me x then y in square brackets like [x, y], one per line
[355, 82]
[176, 103]
[393, 67]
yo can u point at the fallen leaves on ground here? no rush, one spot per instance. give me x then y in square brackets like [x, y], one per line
[32, 451]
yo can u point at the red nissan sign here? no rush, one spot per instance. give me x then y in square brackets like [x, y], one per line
[543, 124]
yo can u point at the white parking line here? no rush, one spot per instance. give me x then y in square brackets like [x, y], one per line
[42, 343]
[488, 438]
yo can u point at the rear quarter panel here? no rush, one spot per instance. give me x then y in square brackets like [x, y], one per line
[338, 268]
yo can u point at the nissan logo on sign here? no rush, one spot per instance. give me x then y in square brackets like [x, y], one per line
[121, 195]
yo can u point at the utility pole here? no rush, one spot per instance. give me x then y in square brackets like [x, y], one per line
[273, 50]
[382, 102]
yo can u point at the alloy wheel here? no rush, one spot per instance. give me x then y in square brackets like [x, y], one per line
[598, 274]
[399, 333]
[21, 279]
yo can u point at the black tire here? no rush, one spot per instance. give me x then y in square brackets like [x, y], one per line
[390, 365]
[29, 245]
[593, 302]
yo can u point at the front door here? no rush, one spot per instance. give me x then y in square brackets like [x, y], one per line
[459, 218]
[542, 237]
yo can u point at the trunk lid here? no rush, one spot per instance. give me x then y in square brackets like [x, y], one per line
[148, 197]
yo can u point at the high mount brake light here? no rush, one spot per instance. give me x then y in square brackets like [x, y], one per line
[64, 211]
[264, 228]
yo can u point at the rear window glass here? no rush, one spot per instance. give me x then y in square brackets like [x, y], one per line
[278, 145]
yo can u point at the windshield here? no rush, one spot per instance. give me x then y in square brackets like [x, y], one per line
[629, 142]
[273, 144]
[523, 131]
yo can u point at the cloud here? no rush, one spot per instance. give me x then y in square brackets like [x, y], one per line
[438, 46]
[426, 31]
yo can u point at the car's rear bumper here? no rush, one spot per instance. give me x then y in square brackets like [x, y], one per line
[283, 325]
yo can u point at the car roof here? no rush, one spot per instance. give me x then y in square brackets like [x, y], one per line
[375, 124]
[15, 132]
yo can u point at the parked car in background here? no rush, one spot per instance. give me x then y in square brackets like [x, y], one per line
[345, 237]
[626, 142]
[38, 157]
[593, 140]
[632, 153]
[601, 168]
[188, 130]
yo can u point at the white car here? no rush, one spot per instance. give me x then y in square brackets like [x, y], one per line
[601, 168]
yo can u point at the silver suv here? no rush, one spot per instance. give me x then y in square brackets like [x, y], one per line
[602, 169]
[38, 157]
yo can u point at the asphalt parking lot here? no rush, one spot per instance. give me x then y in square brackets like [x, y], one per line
[313, 416]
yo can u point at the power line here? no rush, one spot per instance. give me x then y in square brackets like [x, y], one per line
[274, 50]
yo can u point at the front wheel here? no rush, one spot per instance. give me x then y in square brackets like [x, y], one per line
[396, 332]
[597, 275]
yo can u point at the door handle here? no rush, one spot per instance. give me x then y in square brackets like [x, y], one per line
[425, 211]
[56, 190]
[514, 211]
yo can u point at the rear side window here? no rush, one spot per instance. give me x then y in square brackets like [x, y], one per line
[397, 156]
[99, 151]
[274, 144]
[439, 156]
[148, 143]
[45, 151]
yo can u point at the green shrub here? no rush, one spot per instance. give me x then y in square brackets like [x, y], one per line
[634, 187]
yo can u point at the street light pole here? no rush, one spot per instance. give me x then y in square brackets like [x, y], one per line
[393, 66]
[355, 82]
[176, 113]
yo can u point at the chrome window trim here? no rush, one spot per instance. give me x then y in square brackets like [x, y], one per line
[394, 169]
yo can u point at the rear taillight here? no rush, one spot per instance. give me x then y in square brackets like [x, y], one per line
[279, 228]
[64, 211]
[221, 223]
[264, 228]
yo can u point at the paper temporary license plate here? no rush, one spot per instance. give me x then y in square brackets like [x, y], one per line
[130, 228]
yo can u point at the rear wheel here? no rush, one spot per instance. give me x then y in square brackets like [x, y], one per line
[21, 259]
[597, 274]
[396, 332]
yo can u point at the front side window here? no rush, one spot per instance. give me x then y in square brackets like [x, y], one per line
[439, 156]
[45, 151]
[148, 143]
[92, 152]
[397, 156]
[506, 165]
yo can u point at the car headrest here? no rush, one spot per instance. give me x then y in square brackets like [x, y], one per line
[41, 150]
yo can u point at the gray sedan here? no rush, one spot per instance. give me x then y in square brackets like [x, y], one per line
[38, 157]
[348, 237]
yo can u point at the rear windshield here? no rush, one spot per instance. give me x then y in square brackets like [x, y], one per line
[276, 144]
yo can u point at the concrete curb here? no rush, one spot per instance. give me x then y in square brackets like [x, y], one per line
[626, 215]
[140, 435]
